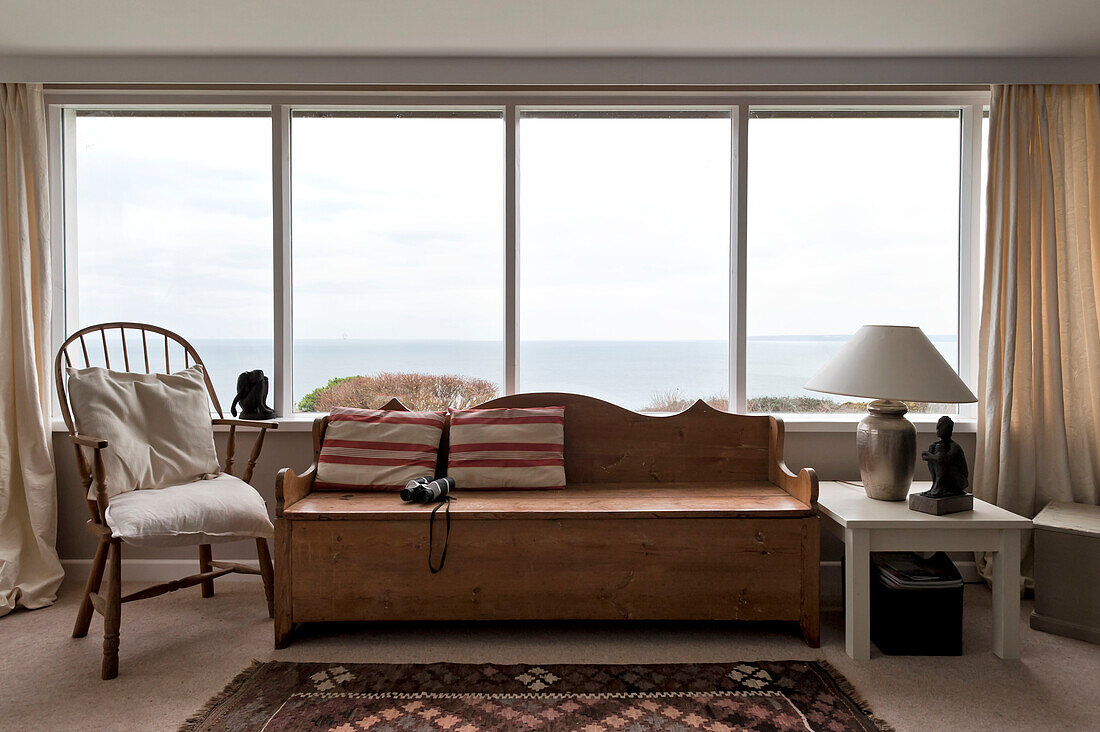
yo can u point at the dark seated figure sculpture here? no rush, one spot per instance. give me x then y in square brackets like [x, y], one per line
[252, 389]
[950, 476]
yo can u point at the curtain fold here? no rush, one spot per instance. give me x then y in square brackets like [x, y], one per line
[1039, 375]
[30, 571]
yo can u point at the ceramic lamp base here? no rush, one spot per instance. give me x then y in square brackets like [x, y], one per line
[887, 445]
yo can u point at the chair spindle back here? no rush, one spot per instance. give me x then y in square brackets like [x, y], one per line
[100, 347]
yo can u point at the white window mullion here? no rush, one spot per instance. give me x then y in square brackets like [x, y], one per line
[68, 221]
[281, 260]
[739, 176]
[511, 249]
[61, 148]
[970, 198]
[60, 135]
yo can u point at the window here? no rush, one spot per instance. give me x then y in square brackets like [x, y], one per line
[398, 243]
[852, 220]
[624, 257]
[173, 216]
[649, 248]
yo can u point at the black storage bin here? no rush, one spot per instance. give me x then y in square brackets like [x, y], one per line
[916, 604]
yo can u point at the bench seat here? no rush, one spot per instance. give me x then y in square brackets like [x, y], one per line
[583, 500]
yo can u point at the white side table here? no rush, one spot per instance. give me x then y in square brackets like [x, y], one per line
[866, 525]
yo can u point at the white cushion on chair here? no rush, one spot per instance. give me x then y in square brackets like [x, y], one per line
[223, 508]
[157, 425]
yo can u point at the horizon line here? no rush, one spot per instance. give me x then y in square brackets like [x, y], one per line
[572, 340]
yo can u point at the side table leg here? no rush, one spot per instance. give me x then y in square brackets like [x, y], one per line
[857, 594]
[1006, 596]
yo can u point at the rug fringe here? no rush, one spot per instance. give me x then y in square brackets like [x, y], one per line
[193, 722]
[846, 688]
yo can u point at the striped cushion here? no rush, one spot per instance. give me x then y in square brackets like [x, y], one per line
[507, 448]
[377, 450]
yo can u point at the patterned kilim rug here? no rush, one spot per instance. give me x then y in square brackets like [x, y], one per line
[765, 695]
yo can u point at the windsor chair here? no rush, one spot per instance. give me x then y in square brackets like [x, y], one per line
[87, 344]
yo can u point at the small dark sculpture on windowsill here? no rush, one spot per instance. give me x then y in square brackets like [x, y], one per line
[252, 389]
[950, 476]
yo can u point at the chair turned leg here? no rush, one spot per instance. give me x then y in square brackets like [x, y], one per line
[204, 566]
[267, 573]
[112, 610]
[95, 578]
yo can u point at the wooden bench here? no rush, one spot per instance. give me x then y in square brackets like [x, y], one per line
[692, 516]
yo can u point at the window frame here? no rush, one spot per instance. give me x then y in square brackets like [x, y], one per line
[64, 101]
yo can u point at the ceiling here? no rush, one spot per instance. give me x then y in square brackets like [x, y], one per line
[729, 28]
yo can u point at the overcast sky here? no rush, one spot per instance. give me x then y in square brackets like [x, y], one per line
[398, 226]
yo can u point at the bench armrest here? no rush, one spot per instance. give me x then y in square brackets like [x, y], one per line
[802, 486]
[291, 488]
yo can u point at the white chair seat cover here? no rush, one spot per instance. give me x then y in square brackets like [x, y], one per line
[223, 508]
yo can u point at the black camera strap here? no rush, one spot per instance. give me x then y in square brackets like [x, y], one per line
[444, 501]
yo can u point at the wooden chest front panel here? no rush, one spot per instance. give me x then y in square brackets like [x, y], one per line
[707, 569]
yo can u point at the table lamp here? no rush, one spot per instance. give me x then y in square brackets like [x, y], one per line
[891, 364]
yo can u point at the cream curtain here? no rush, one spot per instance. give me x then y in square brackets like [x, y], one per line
[1039, 376]
[30, 572]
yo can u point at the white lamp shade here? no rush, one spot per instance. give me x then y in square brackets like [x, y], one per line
[891, 362]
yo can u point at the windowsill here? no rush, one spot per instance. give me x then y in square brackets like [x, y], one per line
[925, 423]
[834, 423]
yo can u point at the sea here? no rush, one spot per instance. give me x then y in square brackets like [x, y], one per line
[629, 373]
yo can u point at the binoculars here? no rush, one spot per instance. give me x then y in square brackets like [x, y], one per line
[426, 490]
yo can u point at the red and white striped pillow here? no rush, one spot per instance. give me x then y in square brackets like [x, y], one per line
[507, 448]
[377, 449]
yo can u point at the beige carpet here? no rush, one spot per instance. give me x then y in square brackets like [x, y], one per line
[178, 650]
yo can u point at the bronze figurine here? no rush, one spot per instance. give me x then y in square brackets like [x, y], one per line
[946, 462]
[950, 477]
[252, 389]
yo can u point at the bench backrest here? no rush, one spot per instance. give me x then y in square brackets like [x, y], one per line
[605, 443]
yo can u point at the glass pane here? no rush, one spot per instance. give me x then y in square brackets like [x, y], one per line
[173, 228]
[624, 258]
[398, 260]
[851, 221]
